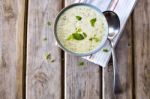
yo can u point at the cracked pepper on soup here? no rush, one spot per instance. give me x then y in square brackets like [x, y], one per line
[80, 29]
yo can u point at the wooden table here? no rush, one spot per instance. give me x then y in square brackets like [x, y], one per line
[26, 35]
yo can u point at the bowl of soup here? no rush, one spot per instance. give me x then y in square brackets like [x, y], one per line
[81, 29]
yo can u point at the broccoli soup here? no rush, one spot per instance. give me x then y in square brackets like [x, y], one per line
[81, 28]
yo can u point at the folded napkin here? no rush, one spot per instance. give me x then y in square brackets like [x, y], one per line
[101, 4]
[123, 10]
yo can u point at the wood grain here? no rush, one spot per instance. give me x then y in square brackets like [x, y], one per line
[43, 77]
[11, 48]
[81, 82]
[124, 56]
[43, 74]
[142, 49]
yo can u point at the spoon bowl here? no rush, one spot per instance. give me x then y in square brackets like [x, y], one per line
[113, 23]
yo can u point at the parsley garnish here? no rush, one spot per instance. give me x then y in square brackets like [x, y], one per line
[91, 39]
[96, 39]
[78, 30]
[77, 35]
[70, 37]
[85, 35]
[79, 18]
[64, 18]
[92, 21]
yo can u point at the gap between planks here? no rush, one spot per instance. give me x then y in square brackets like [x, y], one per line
[25, 48]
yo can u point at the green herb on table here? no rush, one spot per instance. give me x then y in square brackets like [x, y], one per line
[81, 63]
[52, 60]
[49, 23]
[45, 39]
[93, 21]
[105, 50]
[79, 18]
[47, 56]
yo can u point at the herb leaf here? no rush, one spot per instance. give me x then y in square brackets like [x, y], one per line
[45, 39]
[91, 39]
[49, 23]
[52, 60]
[64, 18]
[105, 50]
[85, 35]
[96, 39]
[79, 18]
[47, 56]
[78, 30]
[81, 63]
[92, 21]
[70, 37]
[78, 36]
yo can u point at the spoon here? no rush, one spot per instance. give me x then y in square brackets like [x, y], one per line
[114, 28]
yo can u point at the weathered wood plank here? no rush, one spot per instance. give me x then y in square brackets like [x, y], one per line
[82, 82]
[124, 55]
[43, 57]
[142, 49]
[11, 48]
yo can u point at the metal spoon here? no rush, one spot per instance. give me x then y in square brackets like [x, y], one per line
[114, 28]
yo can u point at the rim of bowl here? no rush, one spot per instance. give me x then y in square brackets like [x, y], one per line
[103, 41]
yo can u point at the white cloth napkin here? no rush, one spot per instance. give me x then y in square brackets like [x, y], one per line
[123, 9]
[101, 4]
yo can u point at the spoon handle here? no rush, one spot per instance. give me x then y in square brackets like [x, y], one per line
[112, 5]
[116, 85]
